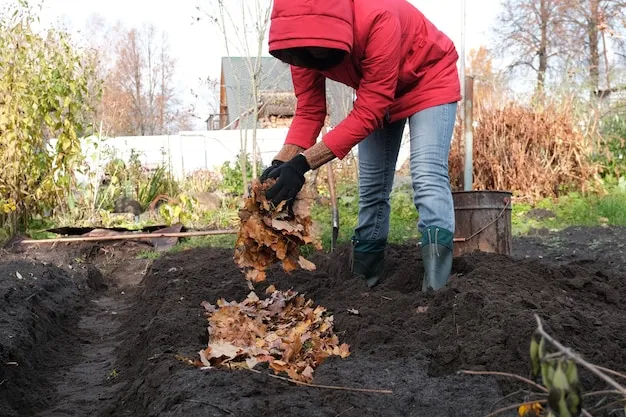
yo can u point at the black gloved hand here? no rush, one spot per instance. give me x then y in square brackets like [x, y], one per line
[290, 180]
[276, 164]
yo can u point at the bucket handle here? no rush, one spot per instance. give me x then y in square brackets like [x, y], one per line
[507, 203]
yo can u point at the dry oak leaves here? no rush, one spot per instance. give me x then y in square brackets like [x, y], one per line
[284, 330]
[271, 234]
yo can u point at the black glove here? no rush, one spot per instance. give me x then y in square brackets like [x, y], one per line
[276, 164]
[290, 180]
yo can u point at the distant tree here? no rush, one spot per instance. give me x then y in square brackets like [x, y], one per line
[139, 97]
[532, 34]
[596, 26]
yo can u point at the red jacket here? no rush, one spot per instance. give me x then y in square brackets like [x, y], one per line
[399, 64]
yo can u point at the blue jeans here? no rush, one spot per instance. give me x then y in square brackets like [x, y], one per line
[431, 134]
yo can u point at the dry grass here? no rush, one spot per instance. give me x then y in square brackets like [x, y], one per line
[533, 153]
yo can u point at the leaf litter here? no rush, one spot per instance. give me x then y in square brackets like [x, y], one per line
[269, 235]
[284, 330]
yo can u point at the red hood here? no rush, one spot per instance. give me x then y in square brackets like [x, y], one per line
[321, 23]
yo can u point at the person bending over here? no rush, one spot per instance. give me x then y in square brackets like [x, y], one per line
[402, 68]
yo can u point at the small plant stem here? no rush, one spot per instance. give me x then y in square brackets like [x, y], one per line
[611, 404]
[506, 397]
[598, 393]
[568, 352]
[222, 409]
[610, 371]
[554, 355]
[306, 384]
[508, 375]
[345, 411]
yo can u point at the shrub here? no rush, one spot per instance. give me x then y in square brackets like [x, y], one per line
[232, 176]
[533, 153]
[44, 91]
[201, 180]
[131, 179]
[611, 154]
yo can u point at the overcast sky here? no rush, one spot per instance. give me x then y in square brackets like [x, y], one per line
[198, 47]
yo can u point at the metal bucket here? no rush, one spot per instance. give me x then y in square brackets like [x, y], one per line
[483, 222]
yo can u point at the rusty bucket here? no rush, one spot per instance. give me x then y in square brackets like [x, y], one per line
[483, 222]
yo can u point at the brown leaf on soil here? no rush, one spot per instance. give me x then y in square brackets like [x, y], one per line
[220, 352]
[306, 264]
[308, 372]
[268, 235]
[284, 329]
[343, 351]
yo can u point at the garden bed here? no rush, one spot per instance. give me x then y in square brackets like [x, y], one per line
[401, 340]
[40, 307]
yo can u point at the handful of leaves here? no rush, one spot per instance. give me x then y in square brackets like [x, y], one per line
[284, 330]
[273, 234]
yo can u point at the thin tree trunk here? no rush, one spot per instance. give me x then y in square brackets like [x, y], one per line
[260, 22]
[255, 121]
[244, 161]
[543, 51]
[137, 64]
[594, 53]
[606, 62]
[163, 101]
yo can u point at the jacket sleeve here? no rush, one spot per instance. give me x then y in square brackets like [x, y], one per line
[310, 90]
[376, 91]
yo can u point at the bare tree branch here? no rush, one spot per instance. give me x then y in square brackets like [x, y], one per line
[139, 97]
[531, 31]
[244, 27]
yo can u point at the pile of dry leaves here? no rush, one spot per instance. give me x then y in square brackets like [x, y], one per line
[284, 330]
[273, 234]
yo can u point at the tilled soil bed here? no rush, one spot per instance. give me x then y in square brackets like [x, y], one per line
[40, 306]
[71, 346]
[401, 340]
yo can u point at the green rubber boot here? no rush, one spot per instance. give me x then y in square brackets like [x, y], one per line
[368, 260]
[437, 257]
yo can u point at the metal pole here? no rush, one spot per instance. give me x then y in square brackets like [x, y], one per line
[468, 105]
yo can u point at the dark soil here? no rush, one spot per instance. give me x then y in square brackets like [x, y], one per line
[58, 319]
[402, 340]
[40, 306]
[600, 248]
[483, 321]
